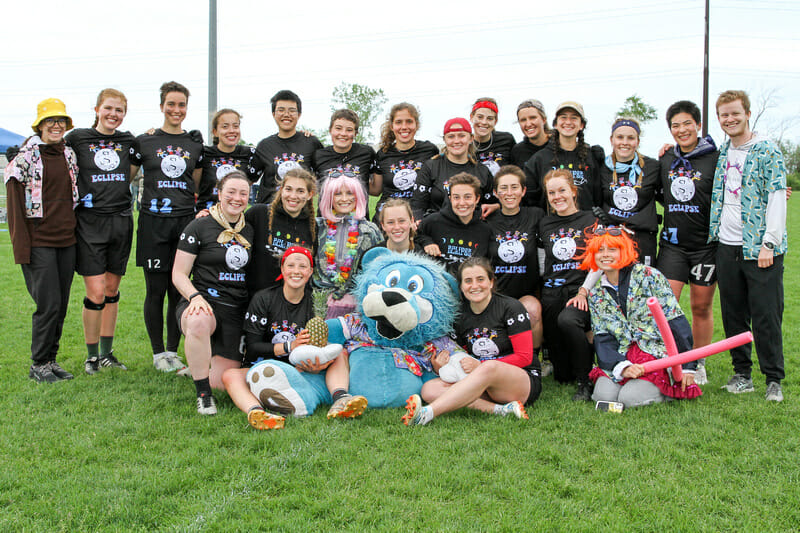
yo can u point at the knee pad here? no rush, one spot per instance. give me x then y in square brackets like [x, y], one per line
[112, 299]
[91, 306]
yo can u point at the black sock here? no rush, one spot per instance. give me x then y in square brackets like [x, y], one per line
[203, 387]
[338, 393]
[106, 345]
[92, 351]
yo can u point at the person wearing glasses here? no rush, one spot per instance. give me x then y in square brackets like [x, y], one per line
[625, 332]
[288, 149]
[42, 193]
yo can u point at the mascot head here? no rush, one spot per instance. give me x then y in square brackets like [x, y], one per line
[405, 299]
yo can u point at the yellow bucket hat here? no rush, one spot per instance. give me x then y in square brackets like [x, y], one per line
[52, 107]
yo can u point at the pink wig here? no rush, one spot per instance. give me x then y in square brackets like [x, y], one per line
[333, 185]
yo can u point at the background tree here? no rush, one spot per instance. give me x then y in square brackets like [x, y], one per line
[636, 108]
[366, 102]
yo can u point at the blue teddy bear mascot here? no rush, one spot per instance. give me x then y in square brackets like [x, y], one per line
[406, 307]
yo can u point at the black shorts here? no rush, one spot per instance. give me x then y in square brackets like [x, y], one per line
[157, 240]
[697, 267]
[104, 243]
[536, 385]
[228, 338]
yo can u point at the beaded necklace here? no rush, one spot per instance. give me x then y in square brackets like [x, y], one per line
[338, 274]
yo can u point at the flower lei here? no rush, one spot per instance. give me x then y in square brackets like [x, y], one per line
[339, 274]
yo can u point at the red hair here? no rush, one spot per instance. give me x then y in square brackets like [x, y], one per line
[627, 248]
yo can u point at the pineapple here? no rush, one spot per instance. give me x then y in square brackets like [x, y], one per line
[317, 327]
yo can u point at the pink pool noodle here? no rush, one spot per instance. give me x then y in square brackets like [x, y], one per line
[674, 359]
[666, 334]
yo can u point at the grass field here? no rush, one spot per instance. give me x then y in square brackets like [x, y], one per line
[126, 451]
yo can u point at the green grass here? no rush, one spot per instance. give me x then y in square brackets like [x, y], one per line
[123, 451]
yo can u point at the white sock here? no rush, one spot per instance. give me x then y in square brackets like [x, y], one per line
[426, 415]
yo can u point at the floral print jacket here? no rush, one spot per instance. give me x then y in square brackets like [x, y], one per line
[621, 317]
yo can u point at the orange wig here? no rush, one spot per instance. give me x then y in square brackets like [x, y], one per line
[594, 241]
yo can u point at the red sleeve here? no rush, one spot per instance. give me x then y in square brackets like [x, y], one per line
[522, 343]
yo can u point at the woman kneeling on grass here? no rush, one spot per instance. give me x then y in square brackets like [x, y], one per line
[625, 332]
[214, 250]
[496, 331]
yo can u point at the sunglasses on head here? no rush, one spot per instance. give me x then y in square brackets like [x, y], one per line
[614, 231]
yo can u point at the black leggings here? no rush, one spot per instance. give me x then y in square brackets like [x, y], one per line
[565, 336]
[158, 285]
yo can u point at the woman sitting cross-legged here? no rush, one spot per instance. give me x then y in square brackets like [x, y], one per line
[625, 332]
[502, 376]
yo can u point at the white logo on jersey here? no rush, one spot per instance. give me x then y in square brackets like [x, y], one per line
[564, 248]
[405, 179]
[283, 336]
[173, 166]
[492, 165]
[625, 198]
[106, 159]
[511, 251]
[224, 170]
[236, 257]
[485, 347]
[286, 166]
[682, 188]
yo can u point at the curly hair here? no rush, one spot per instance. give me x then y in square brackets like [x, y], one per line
[387, 135]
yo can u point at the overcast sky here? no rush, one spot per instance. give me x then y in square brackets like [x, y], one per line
[439, 55]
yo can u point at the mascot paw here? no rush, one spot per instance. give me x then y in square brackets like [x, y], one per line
[270, 384]
[452, 371]
[309, 352]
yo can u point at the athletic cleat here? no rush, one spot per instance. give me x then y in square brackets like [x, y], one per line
[260, 419]
[347, 406]
[169, 362]
[738, 384]
[91, 365]
[413, 411]
[109, 361]
[774, 392]
[516, 409]
[584, 392]
[206, 404]
[59, 372]
[43, 373]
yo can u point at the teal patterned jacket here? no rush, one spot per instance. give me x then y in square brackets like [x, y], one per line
[763, 172]
[637, 325]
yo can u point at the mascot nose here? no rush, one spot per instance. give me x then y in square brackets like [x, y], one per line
[391, 298]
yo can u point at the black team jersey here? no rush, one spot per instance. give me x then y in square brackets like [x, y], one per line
[167, 162]
[585, 175]
[216, 164]
[219, 268]
[105, 170]
[495, 152]
[523, 151]
[432, 189]
[272, 319]
[399, 169]
[687, 199]
[631, 201]
[269, 245]
[275, 156]
[358, 163]
[563, 241]
[457, 241]
[513, 251]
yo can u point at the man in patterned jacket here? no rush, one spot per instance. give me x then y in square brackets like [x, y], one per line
[748, 218]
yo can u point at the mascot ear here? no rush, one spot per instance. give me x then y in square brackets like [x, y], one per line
[372, 254]
[453, 283]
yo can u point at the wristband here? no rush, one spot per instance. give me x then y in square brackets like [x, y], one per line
[198, 293]
[287, 347]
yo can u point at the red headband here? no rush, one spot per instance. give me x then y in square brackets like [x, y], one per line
[485, 103]
[295, 250]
